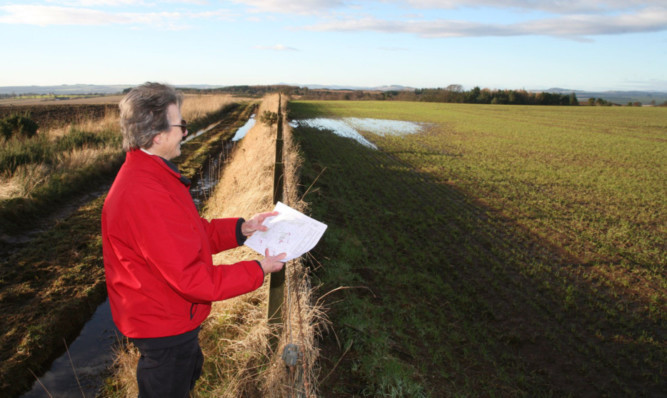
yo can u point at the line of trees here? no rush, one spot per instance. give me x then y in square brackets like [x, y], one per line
[455, 93]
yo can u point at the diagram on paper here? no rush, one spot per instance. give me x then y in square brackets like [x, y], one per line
[290, 232]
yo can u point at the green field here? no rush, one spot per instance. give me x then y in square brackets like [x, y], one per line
[502, 251]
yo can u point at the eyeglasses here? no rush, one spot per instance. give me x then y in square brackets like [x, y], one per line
[183, 126]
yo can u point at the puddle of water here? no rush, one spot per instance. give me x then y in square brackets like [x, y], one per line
[350, 126]
[200, 132]
[338, 127]
[240, 133]
[383, 126]
[91, 355]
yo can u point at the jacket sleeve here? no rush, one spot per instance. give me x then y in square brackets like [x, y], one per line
[224, 233]
[171, 242]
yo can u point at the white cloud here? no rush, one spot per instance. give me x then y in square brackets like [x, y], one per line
[116, 3]
[553, 6]
[97, 3]
[277, 47]
[55, 15]
[576, 26]
[292, 6]
[611, 17]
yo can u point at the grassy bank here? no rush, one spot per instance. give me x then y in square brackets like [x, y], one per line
[51, 285]
[239, 360]
[501, 252]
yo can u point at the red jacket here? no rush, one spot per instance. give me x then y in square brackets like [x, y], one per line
[157, 252]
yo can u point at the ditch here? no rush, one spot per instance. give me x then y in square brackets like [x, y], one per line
[84, 363]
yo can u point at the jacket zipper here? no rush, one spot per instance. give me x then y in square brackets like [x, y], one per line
[193, 310]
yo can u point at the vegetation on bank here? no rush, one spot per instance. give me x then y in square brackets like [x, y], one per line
[52, 281]
[503, 251]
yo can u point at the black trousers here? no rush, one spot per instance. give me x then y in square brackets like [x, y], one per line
[169, 366]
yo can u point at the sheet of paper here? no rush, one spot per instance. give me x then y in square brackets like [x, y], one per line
[290, 232]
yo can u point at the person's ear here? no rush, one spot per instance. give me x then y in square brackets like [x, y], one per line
[157, 139]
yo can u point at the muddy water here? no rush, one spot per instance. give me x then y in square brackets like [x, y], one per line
[90, 355]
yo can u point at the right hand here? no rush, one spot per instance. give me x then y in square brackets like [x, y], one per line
[272, 263]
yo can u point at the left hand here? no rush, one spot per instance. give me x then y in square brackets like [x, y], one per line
[255, 223]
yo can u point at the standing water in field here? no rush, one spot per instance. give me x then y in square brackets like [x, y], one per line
[350, 126]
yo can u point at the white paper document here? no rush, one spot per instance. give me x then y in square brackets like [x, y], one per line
[289, 232]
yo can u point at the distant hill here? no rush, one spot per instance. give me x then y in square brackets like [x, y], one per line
[393, 87]
[65, 89]
[617, 97]
[72, 89]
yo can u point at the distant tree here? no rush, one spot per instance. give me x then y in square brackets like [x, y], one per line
[485, 96]
[472, 95]
[456, 88]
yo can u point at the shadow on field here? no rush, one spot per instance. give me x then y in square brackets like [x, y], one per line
[450, 298]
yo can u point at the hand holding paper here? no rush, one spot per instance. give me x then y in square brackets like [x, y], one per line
[288, 232]
[255, 223]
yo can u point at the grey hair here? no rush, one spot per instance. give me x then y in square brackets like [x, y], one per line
[143, 113]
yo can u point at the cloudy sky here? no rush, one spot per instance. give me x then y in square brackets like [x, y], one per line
[531, 44]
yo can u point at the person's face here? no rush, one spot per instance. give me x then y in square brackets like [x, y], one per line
[168, 143]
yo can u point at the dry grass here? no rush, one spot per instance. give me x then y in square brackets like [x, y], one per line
[27, 177]
[196, 106]
[23, 180]
[110, 122]
[235, 337]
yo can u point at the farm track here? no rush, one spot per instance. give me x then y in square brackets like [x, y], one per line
[495, 310]
[51, 285]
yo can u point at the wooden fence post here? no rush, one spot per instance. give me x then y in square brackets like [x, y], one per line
[277, 279]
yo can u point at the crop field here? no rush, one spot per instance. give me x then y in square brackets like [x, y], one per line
[501, 251]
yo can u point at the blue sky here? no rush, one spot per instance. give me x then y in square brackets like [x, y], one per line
[530, 44]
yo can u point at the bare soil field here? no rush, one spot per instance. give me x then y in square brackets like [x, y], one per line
[100, 100]
[50, 116]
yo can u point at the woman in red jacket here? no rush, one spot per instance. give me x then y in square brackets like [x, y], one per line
[158, 250]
